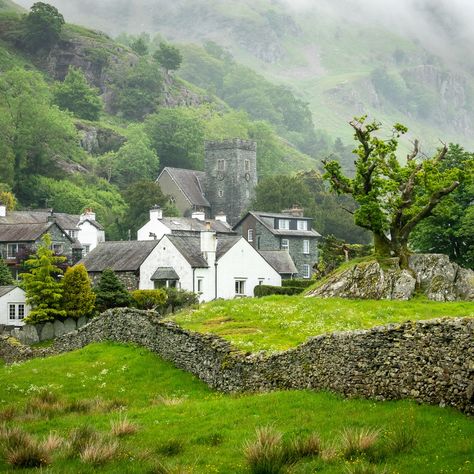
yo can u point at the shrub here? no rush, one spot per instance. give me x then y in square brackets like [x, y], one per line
[266, 454]
[78, 297]
[150, 299]
[179, 299]
[297, 283]
[111, 292]
[267, 290]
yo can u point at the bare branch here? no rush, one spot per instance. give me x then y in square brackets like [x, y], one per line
[347, 210]
[415, 151]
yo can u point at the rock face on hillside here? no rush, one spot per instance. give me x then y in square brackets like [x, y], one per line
[98, 140]
[431, 274]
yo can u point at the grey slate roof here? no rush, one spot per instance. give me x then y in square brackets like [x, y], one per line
[66, 221]
[280, 260]
[4, 290]
[23, 232]
[191, 183]
[119, 256]
[177, 224]
[225, 243]
[190, 248]
[165, 273]
[267, 219]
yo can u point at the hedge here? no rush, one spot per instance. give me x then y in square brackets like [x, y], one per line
[298, 283]
[266, 290]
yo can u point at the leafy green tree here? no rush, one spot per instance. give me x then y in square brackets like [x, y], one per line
[32, 132]
[44, 292]
[449, 229]
[150, 299]
[392, 197]
[136, 160]
[140, 46]
[75, 95]
[6, 277]
[43, 26]
[110, 292]
[177, 135]
[7, 197]
[78, 296]
[141, 196]
[168, 56]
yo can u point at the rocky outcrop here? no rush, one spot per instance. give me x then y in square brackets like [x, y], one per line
[98, 140]
[431, 274]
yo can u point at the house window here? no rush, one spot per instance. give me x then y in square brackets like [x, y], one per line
[12, 250]
[306, 246]
[250, 235]
[58, 248]
[220, 165]
[240, 287]
[284, 224]
[199, 285]
[302, 225]
[306, 271]
[16, 311]
[260, 281]
[73, 234]
[220, 193]
[87, 249]
[247, 165]
[285, 244]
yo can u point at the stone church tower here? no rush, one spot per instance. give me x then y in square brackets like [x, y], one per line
[231, 176]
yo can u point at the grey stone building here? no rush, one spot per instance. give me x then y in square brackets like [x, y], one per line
[289, 231]
[226, 186]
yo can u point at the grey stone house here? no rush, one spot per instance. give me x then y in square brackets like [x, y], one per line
[288, 231]
[227, 184]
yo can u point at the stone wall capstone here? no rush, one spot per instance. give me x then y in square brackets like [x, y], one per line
[428, 361]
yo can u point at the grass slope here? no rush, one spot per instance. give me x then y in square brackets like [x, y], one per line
[201, 431]
[280, 322]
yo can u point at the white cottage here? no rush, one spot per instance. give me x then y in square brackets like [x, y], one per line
[212, 265]
[13, 307]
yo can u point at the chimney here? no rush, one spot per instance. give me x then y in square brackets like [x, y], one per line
[199, 215]
[156, 213]
[3, 209]
[221, 217]
[88, 214]
[209, 245]
[51, 216]
[295, 211]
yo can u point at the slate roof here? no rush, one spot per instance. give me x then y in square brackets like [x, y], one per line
[66, 221]
[25, 232]
[280, 260]
[119, 256]
[4, 290]
[190, 248]
[177, 224]
[267, 219]
[165, 273]
[191, 183]
[225, 243]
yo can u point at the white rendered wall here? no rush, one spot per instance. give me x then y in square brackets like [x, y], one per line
[17, 295]
[242, 261]
[90, 235]
[154, 226]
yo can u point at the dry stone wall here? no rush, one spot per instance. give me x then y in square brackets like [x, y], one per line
[428, 361]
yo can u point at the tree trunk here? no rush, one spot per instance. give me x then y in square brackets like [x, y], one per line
[382, 245]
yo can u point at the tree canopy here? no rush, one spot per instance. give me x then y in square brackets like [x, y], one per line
[168, 56]
[392, 197]
[78, 297]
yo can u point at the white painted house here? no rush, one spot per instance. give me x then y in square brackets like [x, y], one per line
[212, 265]
[13, 307]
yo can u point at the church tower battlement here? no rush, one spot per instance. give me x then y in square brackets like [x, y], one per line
[231, 176]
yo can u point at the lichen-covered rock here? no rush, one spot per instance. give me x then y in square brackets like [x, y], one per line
[28, 334]
[432, 274]
[59, 329]
[70, 325]
[47, 332]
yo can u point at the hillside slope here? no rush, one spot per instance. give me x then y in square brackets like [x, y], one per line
[340, 66]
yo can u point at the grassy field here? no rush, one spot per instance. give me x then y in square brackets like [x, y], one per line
[280, 322]
[172, 423]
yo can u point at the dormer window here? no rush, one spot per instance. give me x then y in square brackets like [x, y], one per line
[284, 224]
[220, 165]
[302, 225]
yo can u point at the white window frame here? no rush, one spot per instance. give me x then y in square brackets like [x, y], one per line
[16, 313]
[240, 286]
[199, 284]
[9, 247]
[58, 248]
[285, 244]
[302, 225]
[284, 224]
[306, 271]
[86, 248]
[306, 247]
[250, 235]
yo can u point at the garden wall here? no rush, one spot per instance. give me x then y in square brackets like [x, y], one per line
[429, 361]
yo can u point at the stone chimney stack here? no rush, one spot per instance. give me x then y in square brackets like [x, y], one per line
[199, 215]
[295, 211]
[88, 214]
[3, 209]
[156, 213]
[209, 244]
[51, 216]
[221, 217]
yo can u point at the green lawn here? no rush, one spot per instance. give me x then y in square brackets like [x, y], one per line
[194, 430]
[280, 322]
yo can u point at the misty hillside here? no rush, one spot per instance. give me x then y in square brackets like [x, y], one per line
[381, 61]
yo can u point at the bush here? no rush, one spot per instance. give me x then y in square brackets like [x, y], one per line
[150, 299]
[297, 283]
[179, 299]
[266, 290]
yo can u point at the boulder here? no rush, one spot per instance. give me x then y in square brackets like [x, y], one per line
[81, 322]
[59, 328]
[70, 325]
[28, 335]
[47, 332]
